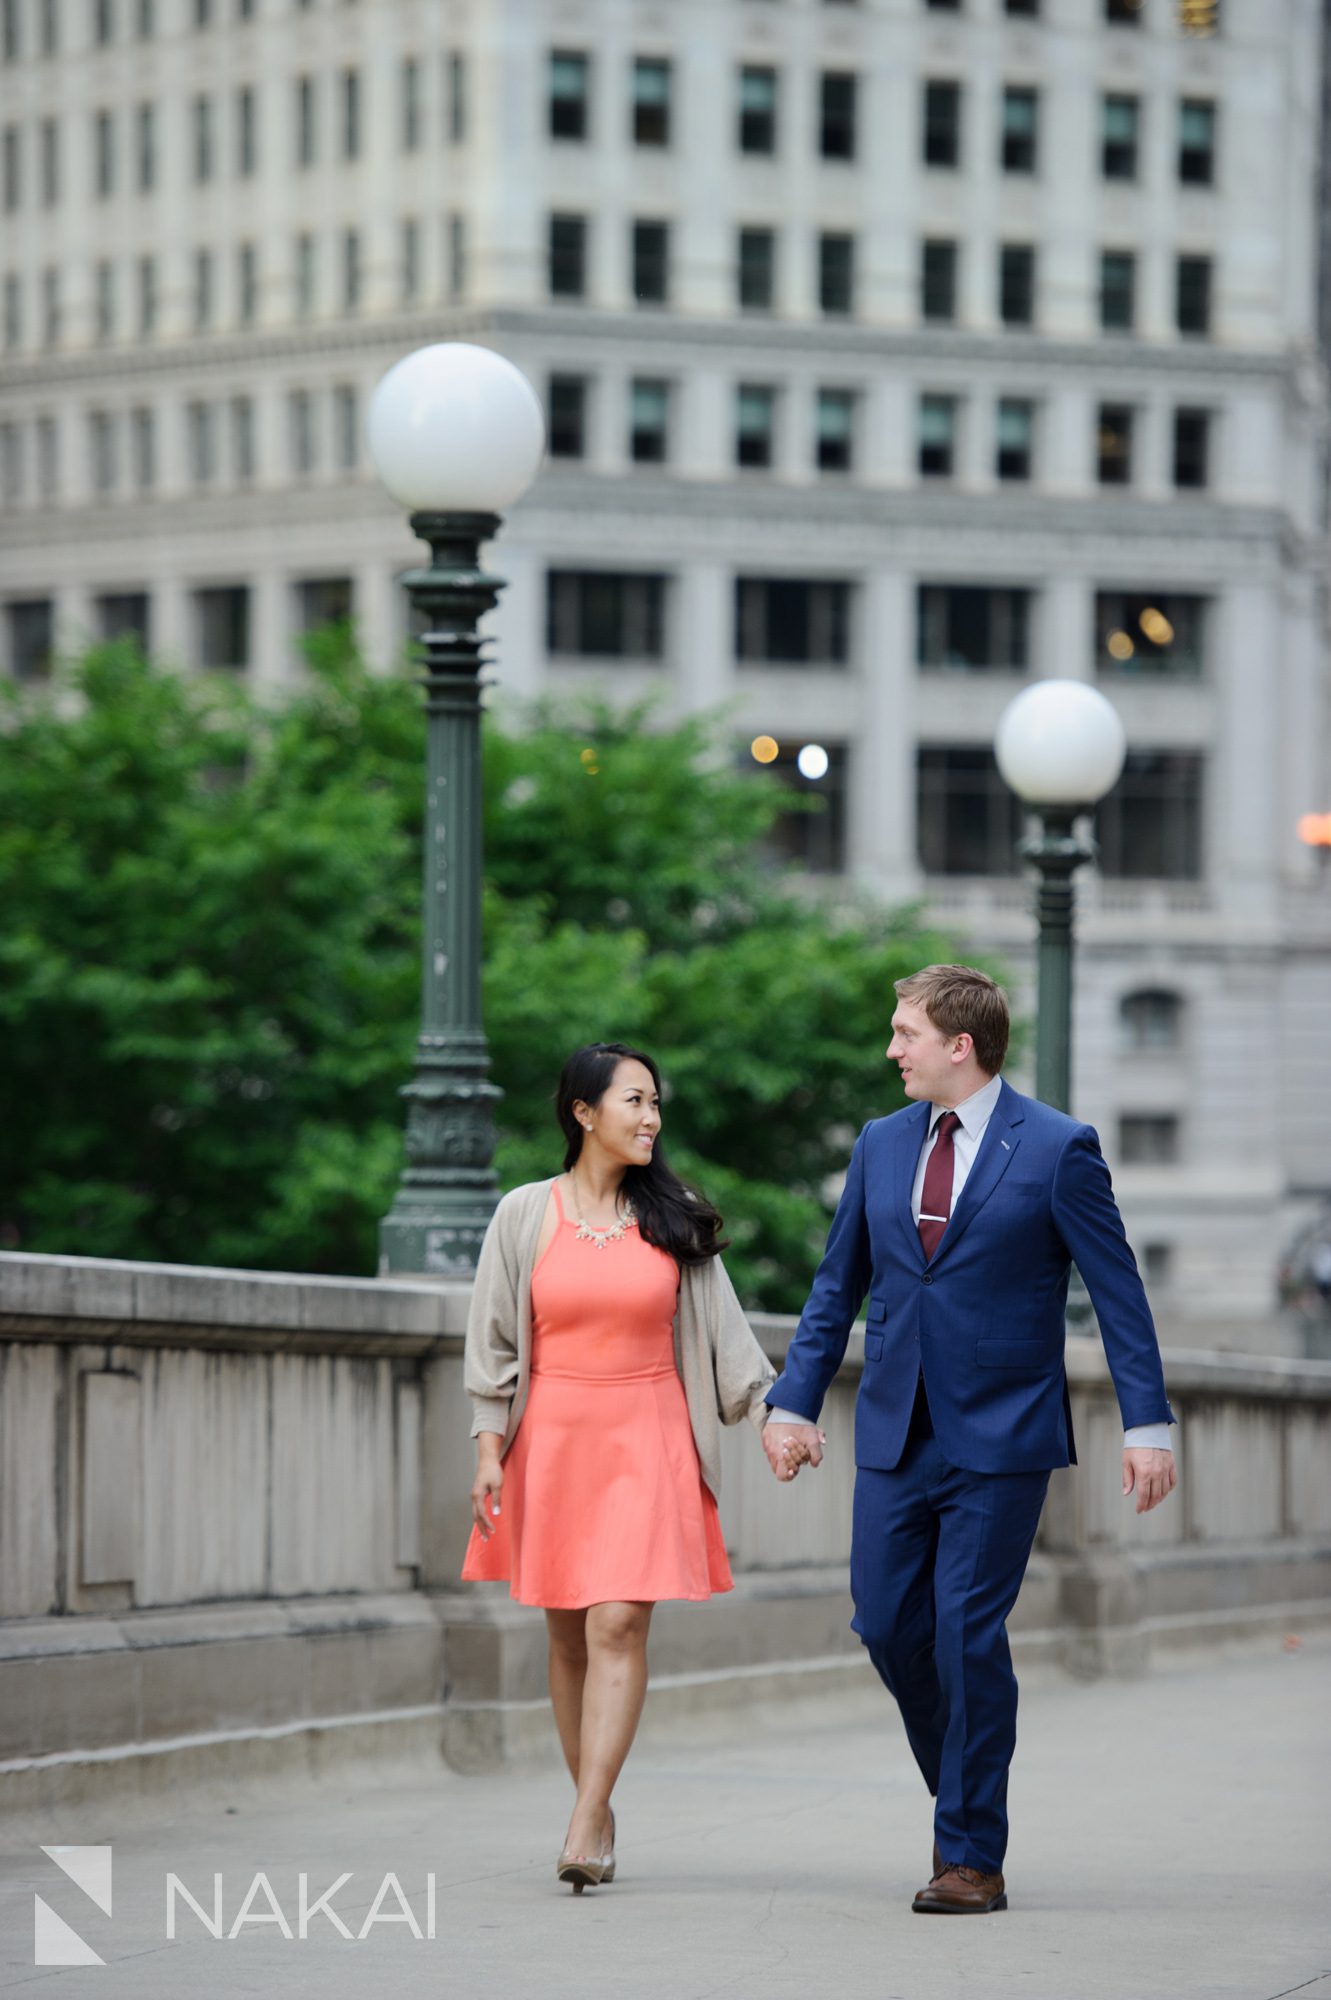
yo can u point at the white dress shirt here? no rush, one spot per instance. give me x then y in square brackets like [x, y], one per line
[975, 1112]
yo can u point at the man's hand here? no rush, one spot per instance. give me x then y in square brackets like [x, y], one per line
[789, 1446]
[1150, 1473]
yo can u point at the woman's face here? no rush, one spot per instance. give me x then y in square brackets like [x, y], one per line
[627, 1119]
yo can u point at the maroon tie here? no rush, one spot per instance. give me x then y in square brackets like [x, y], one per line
[936, 1200]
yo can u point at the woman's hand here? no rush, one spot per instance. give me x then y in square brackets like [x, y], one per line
[488, 1483]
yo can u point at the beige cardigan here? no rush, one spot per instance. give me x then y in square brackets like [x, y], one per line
[725, 1373]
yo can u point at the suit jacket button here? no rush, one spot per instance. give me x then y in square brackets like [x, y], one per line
[927, 1278]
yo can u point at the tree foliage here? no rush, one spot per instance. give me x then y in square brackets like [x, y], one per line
[209, 972]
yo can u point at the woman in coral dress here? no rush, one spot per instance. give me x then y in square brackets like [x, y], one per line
[604, 1349]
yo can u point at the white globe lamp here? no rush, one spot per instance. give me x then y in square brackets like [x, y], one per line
[1060, 743]
[456, 429]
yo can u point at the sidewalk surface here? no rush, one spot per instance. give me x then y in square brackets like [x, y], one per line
[1172, 1836]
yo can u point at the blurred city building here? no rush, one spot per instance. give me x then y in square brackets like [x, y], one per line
[894, 352]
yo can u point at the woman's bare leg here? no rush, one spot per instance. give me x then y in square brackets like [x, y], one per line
[613, 1691]
[567, 1632]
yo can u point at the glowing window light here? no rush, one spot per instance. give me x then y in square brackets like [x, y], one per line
[813, 761]
[764, 749]
[1120, 646]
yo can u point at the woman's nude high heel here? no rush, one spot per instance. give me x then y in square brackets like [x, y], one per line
[589, 1870]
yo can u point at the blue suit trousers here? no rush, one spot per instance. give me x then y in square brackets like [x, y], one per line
[937, 1559]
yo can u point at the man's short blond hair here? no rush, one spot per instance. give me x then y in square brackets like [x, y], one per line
[960, 1000]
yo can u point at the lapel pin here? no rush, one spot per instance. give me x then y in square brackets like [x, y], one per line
[1004, 1144]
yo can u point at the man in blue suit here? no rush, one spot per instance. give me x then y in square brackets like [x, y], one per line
[961, 1218]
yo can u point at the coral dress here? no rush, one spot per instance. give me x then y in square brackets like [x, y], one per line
[603, 1499]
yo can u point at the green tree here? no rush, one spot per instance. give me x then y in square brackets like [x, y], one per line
[209, 972]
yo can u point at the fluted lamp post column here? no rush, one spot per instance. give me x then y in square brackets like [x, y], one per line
[1060, 746]
[456, 434]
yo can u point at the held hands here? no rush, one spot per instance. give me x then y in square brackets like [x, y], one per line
[487, 1485]
[789, 1446]
[1150, 1472]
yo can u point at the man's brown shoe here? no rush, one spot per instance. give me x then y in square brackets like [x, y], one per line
[961, 1892]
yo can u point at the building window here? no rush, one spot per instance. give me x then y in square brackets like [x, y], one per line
[13, 313]
[755, 426]
[346, 427]
[1118, 291]
[972, 628]
[242, 439]
[50, 27]
[836, 272]
[351, 134]
[103, 24]
[147, 296]
[246, 134]
[757, 110]
[1120, 137]
[104, 157]
[300, 431]
[31, 638]
[942, 124]
[792, 622]
[757, 270]
[50, 163]
[835, 421]
[1027, 9]
[938, 280]
[1016, 284]
[457, 256]
[307, 122]
[1114, 444]
[1150, 1021]
[814, 840]
[9, 31]
[1150, 826]
[943, 6]
[105, 299]
[568, 416]
[651, 263]
[51, 312]
[12, 169]
[649, 421]
[305, 275]
[938, 436]
[836, 115]
[410, 90]
[568, 95]
[102, 451]
[1148, 1139]
[651, 101]
[247, 284]
[146, 148]
[1196, 142]
[1124, 13]
[411, 260]
[222, 627]
[48, 461]
[1014, 442]
[457, 99]
[1192, 436]
[201, 125]
[568, 256]
[1160, 634]
[124, 615]
[323, 600]
[968, 820]
[1020, 147]
[351, 270]
[1198, 17]
[604, 614]
[1192, 295]
[11, 464]
[203, 13]
[143, 450]
[201, 443]
[203, 290]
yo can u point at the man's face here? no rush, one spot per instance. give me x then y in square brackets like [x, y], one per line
[927, 1059]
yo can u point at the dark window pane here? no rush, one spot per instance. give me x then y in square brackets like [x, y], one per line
[836, 273]
[651, 102]
[938, 436]
[757, 110]
[1148, 1139]
[968, 821]
[125, 615]
[1193, 295]
[568, 256]
[1016, 284]
[568, 95]
[1151, 1019]
[836, 130]
[1196, 142]
[836, 430]
[813, 836]
[223, 627]
[1121, 116]
[31, 638]
[1021, 131]
[938, 280]
[1163, 633]
[649, 421]
[942, 124]
[651, 263]
[972, 627]
[785, 621]
[1126, 13]
[1114, 444]
[757, 269]
[324, 600]
[605, 614]
[1118, 291]
[568, 416]
[1192, 430]
[1150, 826]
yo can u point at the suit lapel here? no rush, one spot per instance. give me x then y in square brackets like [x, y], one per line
[997, 1151]
[914, 1131]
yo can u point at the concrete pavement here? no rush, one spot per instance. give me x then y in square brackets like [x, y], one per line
[1171, 1836]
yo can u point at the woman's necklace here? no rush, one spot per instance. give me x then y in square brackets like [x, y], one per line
[600, 1237]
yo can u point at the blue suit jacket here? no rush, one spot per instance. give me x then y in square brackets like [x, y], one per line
[984, 1317]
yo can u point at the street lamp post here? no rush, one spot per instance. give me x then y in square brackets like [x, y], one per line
[456, 434]
[1060, 746]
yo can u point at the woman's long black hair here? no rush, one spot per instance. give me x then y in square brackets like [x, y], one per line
[670, 1215]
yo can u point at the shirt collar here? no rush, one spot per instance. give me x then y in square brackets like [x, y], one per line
[974, 1111]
